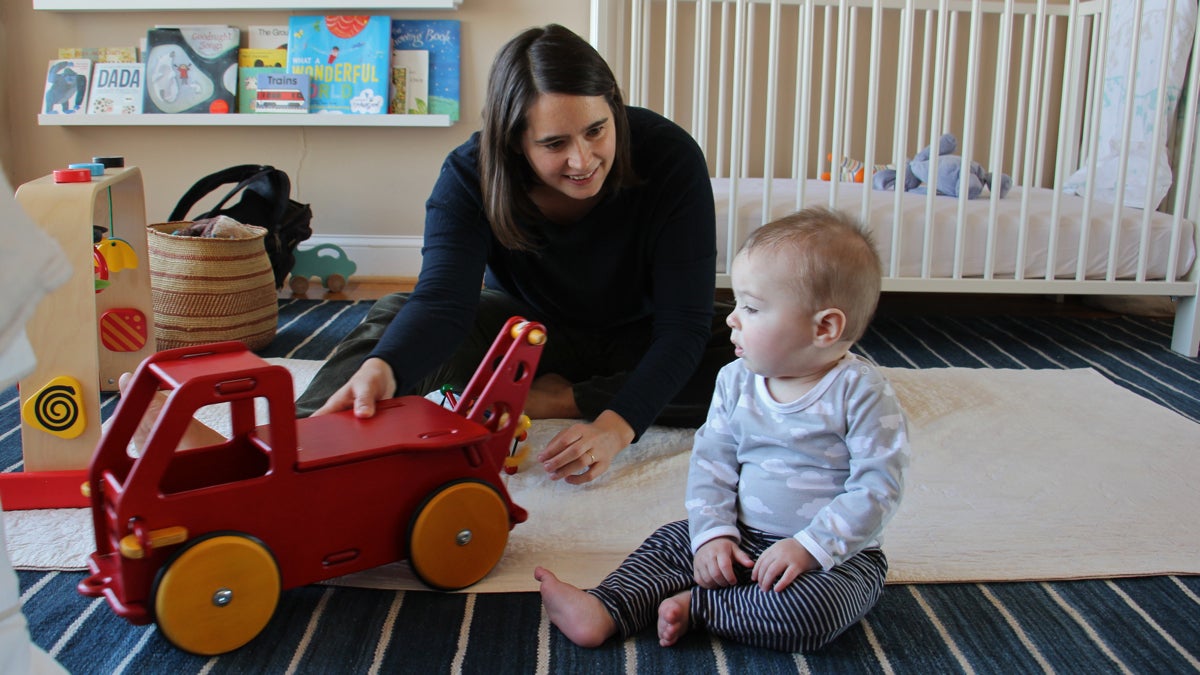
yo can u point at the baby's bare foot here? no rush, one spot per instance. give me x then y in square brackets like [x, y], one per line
[579, 615]
[673, 618]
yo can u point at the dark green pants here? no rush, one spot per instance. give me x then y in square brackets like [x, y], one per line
[598, 364]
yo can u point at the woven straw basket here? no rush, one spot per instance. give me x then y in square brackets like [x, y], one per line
[211, 289]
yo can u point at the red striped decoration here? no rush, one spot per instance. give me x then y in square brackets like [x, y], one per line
[123, 330]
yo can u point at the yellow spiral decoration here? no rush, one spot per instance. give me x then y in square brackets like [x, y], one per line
[57, 408]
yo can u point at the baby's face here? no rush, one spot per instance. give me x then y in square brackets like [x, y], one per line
[772, 331]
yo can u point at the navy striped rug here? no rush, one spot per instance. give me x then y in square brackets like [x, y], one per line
[1142, 625]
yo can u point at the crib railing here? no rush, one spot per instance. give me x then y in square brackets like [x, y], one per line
[774, 88]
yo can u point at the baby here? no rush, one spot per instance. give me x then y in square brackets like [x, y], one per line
[793, 476]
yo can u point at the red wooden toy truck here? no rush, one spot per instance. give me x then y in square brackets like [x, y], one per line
[203, 540]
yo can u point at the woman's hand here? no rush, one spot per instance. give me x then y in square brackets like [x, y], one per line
[372, 383]
[713, 563]
[781, 563]
[584, 451]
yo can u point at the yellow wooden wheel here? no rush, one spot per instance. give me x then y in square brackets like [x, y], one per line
[217, 594]
[458, 535]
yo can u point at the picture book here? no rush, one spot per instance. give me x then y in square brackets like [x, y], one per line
[410, 82]
[441, 38]
[282, 93]
[347, 60]
[253, 62]
[247, 93]
[117, 89]
[66, 86]
[100, 54]
[191, 69]
[262, 58]
[267, 37]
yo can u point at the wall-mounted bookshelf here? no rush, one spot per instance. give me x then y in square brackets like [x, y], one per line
[304, 120]
[245, 120]
[247, 5]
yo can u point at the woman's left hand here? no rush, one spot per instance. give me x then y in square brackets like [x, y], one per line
[584, 451]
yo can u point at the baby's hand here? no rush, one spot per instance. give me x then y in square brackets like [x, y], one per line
[714, 563]
[781, 563]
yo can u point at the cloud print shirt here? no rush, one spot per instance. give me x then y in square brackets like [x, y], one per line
[826, 469]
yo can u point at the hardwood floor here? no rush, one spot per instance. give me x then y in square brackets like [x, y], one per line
[892, 304]
[364, 288]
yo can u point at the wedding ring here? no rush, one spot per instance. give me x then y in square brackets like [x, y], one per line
[591, 457]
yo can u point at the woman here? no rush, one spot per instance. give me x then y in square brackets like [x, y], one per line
[573, 210]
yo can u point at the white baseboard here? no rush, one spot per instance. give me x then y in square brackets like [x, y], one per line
[376, 256]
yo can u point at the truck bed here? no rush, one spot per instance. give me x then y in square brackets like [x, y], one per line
[406, 423]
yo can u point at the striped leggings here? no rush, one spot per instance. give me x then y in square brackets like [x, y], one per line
[807, 615]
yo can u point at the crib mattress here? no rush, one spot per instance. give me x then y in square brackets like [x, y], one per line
[943, 231]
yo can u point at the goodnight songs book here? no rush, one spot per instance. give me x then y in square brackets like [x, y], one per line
[191, 69]
[347, 60]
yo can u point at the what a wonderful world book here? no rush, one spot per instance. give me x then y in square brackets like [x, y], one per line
[347, 60]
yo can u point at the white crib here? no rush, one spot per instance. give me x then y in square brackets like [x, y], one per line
[1059, 97]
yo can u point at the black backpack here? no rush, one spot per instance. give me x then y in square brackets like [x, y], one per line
[265, 202]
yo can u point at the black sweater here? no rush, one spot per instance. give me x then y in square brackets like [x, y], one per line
[646, 251]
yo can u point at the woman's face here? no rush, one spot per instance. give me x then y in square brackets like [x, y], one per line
[570, 142]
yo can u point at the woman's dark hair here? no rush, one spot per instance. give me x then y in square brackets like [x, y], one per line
[544, 60]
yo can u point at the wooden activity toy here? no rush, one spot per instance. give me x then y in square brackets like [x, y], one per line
[202, 540]
[99, 324]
